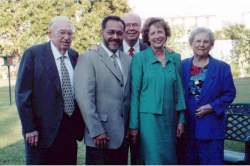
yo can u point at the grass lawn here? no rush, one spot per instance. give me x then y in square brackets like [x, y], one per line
[11, 141]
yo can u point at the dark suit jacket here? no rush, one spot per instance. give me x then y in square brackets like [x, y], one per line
[39, 97]
[218, 90]
[142, 46]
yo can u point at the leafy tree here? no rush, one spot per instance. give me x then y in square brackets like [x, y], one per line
[25, 22]
[241, 37]
[179, 40]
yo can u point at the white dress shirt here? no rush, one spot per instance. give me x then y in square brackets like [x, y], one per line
[111, 53]
[67, 62]
[126, 47]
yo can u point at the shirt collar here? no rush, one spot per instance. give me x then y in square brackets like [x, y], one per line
[126, 47]
[153, 59]
[56, 53]
[109, 52]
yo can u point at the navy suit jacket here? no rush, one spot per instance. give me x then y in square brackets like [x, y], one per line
[218, 90]
[142, 46]
[39, 97]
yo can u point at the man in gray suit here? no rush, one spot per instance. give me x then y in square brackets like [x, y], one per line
[102, 89]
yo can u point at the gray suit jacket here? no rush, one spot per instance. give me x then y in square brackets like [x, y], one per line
[102, 97]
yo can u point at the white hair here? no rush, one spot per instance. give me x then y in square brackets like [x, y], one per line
[201, 30]
[58, 19]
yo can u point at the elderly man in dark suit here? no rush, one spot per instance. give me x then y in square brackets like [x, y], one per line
[50, 119]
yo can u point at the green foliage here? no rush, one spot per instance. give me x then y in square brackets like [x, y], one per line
[178, 40]
[241, 37]
[24, 22]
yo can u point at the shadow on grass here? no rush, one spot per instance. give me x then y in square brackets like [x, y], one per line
[14, 154]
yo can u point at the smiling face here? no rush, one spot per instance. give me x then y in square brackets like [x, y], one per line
[156, 36]
[201, 45]
[132, 28]
[61, 33]
[113, 35]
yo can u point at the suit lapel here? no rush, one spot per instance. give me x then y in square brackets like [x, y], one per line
[51, 68]
[108, 63]
[72, 58]
[186, 75]
[142, 45]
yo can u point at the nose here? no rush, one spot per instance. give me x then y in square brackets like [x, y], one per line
[201, 43]
[130, 26]
[68, 35]
[115, 36]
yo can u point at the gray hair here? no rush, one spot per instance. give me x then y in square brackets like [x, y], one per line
[201, 30]
[131, 14]
[57, 19]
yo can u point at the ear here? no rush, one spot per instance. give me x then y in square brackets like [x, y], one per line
[50, 34]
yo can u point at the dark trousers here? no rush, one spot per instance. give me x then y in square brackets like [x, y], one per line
[95, 156]
[63, 151]
[135, 157]
[180, 150]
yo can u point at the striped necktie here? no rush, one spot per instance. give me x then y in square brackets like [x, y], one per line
[114, 59]
[131, 51]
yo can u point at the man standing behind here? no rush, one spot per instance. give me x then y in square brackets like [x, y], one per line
[45, 101]
[131, 42]
[132, 45]
[102, 87]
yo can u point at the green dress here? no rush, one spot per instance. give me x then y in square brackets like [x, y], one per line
[157, 98]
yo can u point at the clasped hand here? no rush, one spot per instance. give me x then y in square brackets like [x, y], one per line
[101, 141]
[204, 110]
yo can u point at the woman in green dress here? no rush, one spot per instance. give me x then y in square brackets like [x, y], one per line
[157, 101]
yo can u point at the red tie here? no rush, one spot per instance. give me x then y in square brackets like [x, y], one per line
[131, 51]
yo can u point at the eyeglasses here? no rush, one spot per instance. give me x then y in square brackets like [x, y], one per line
[131, 25]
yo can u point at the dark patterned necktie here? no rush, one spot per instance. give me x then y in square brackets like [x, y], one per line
[67, 91]
[113, 57]
[131, 51]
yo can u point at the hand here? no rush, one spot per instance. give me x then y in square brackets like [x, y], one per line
[32, 138]
[204, 110]
[133, 135]
[180, 130]
[101, 141]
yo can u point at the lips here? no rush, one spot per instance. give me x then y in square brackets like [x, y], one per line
[131, 32]
[66, 44]
[158, 41]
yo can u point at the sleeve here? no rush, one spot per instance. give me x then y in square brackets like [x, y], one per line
[227, 93]
[136, 81]
[85, 85]
[24, 90]
[180, 99]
